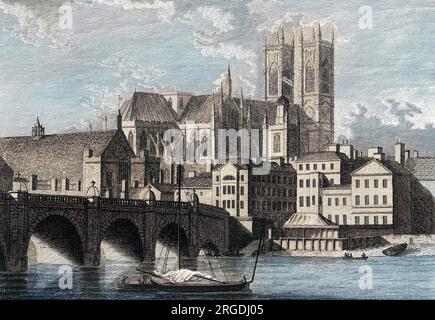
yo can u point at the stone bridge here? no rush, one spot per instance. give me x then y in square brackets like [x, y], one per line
[85, 222]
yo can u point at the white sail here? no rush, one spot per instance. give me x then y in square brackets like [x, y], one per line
[183, 275]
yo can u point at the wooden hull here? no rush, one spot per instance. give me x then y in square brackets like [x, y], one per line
[135, 282]
[194, 287]
[395, 250]
[355, 258]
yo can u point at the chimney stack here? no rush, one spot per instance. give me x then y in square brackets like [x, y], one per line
[399, 152]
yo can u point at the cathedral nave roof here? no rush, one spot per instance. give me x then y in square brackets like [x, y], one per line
[148, 107]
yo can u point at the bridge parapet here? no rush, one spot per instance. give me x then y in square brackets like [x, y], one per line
[210, 210]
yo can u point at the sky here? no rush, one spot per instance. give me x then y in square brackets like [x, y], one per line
[69, 61]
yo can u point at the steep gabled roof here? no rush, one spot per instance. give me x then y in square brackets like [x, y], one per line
[422, 168]
[199, 109]
[53, 156]
[258, 110]
[148, 107]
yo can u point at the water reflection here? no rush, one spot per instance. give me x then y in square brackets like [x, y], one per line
[408, 277]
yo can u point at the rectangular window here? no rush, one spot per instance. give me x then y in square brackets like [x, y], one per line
[366, 183]
[357, 200]
[301, 183]
[308, 183]
[366, 200]
[329, 202]
[314, 183]
[366, 220]
[376, 200]
[315, 166]
[357, 183]
[313, 200]
[307, 166]
[217, 178]
[344, 202]
[332, 166]
[332, 182]
[301, 201]
[337, 219]
[375, 220]
[233, 189]
[307, 200]
[384, 183]
[337, 201]
[345, 220]
[242, 177]
[242, 190]
[233, 204]
[323, 166]
[241, 205]
[357, 220]
[217, 203]
[217, 191]
[225, 190]
[225, 204]
[385, 200]
[301, 167]
[376, 183]
[384, 220]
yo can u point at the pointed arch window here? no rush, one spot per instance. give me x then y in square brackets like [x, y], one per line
[273, 80]
[130, 138]
[142, 141]
[309, 78]
[324, 76]
[276, 143]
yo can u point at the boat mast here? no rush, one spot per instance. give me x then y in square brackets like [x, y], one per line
[258, 253]
[178, 216]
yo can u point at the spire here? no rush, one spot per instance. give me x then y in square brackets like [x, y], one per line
[265, 119]
[265, 39]
[38, 131]
[282, 35]
[119, 120]
[222, 92]
[277, 36]
[230, 82]
[105, 122]
[318, 32]
[242, 109]
[301, 35]
[213, 110]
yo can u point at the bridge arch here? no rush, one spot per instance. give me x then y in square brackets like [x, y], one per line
[122, 239]
[55, 238]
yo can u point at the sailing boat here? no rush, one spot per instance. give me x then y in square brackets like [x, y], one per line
[185, 280]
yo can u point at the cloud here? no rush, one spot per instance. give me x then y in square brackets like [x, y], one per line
[104, 101]
[52, 22]
[396, 121]
[164, 9]
[37, 24]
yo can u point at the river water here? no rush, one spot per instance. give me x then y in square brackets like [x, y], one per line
[406, 277]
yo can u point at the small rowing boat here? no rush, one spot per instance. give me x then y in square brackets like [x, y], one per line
[395, 250]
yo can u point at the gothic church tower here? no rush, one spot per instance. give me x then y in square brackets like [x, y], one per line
[306, 77]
